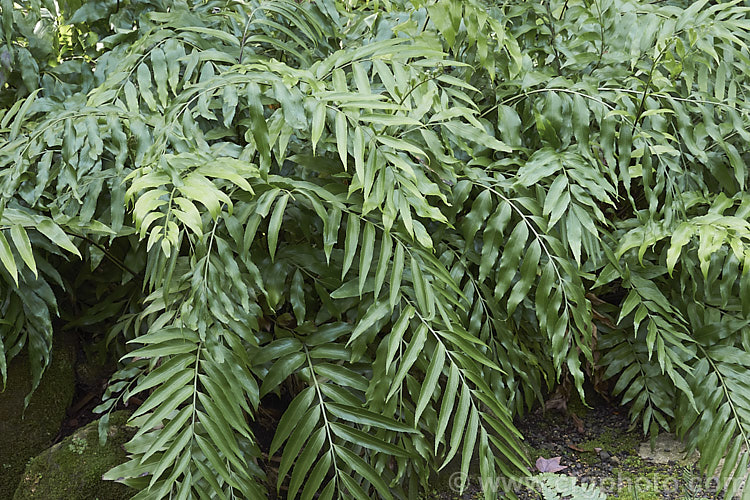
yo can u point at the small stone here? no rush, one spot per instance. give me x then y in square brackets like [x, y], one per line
[605, 456]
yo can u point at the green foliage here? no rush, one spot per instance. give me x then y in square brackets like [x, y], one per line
[77, 445]
[553, 486]
[405, 220]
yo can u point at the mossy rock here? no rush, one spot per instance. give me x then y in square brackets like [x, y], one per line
[666, 448]
[25, 434]
[73, 468]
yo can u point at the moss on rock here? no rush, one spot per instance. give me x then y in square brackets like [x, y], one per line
[73, 468]
[25, 434]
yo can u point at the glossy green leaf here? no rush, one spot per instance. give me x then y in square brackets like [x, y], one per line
[274, 223]
[350, 242]
[359, 438]
[297, 440]
[342, 137]
[366, 417]
[57, 236]
[280, 371]
[412, 352]
[397, 334]
[396, 275]
[364, 469]
[303, 463]
[375, 313]
[431, 379]
[510, 258]
[365, 258]
[6, 256]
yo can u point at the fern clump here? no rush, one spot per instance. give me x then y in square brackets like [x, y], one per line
[555, 486]
[405, 221]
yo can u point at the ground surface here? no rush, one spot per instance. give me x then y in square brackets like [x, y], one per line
[596, 446]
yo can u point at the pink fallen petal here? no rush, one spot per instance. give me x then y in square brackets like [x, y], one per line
[549, 464]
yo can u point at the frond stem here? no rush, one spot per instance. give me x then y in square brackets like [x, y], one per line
[326, 424]
[106, 252]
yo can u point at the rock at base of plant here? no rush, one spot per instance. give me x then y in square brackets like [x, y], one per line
[72, 469]
[25, 434]
[667, 448]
